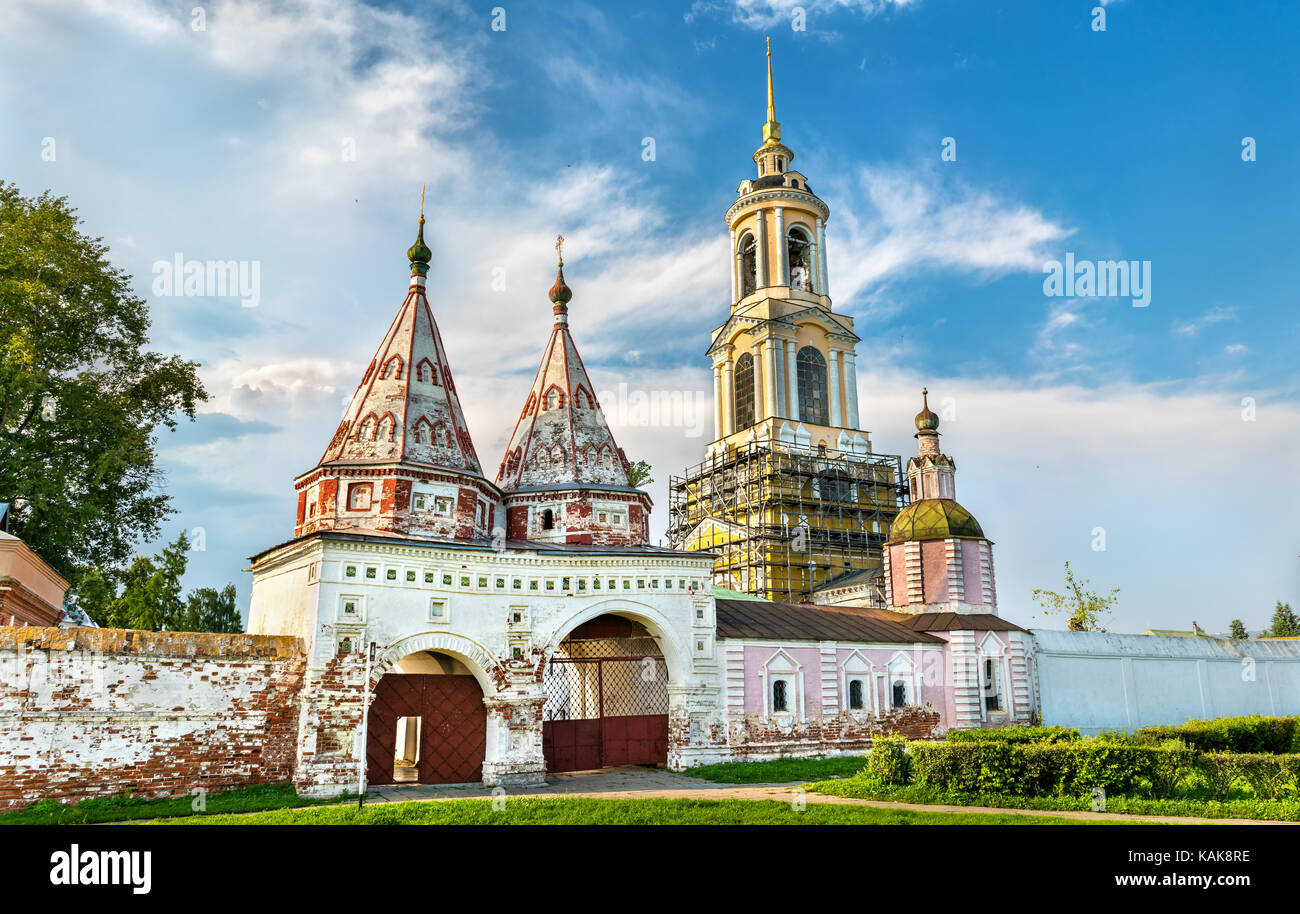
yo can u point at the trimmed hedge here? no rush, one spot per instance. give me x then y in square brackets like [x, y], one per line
[1048, 769]
[1015, 735]
[1255, 734]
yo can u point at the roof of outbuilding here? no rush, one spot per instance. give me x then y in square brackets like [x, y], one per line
[961, 622]
[762, 620]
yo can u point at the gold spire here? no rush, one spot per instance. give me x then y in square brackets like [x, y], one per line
[772, 129]
[559, 250]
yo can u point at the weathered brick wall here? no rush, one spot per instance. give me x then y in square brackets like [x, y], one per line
[755, 737]
[96, 712]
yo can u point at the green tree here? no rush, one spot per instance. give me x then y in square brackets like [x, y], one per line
[1237, 630]
[210, 610]
[150, 597]
[1285, 622]
[81, 397]
[1081, 606]
[638, 475]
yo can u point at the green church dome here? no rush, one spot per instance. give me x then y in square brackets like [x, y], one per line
[933, 519]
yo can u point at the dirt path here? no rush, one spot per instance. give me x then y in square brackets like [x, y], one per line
[642, 783]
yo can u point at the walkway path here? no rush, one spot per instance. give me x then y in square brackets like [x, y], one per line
[654, 783]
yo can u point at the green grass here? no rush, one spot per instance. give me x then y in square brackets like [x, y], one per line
[1263, 810]
[780, 771]
[125, 808]
[586, 811]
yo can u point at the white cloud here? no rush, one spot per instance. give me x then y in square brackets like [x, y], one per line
[895, 222]
[1215, 315]
[764, 14]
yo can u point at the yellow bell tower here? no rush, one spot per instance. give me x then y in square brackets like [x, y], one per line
[791, 495]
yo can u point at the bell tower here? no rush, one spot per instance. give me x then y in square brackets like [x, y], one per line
[791, 497]
[785, 366]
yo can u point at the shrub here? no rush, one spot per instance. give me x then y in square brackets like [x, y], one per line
[1255, 734]
[1014, 735]
[1049, 769]
[888, 761]
[1269, 777]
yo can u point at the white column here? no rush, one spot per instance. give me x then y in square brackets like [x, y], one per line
[761, 375]
[719, 402]
[735, 267]
[792, 378]
[769, 377]
[782, 268]
[825, 287]
[779, 358]
[834, 379]
[728, 399]
[851, 389]
[760, 251]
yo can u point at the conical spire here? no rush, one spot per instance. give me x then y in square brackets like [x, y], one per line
[406, 408]
[771, 129]
[562, 437]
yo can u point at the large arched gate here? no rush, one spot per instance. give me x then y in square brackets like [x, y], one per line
[450, 736]
[606, 698]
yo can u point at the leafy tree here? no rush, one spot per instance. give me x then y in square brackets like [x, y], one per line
[1285, 622]
[1237, 630]
[210, 610]
[81, 397]
[1081, 606]
[638, 475]
[151, 599]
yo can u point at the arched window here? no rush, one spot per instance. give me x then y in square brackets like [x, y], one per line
[366, 431]
[899, 693]
[548, 519]
[387, 427]
[780, 696]
[554, 398]
[392, 369]
[855, 695]
[425, 372]
[744, 395]
[557, 456]
[748, 254]
[814, 405]
[798, 247]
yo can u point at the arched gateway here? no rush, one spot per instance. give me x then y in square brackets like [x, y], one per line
[606, 698]
[428, 723]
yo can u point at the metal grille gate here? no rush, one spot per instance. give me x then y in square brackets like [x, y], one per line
[606, 704]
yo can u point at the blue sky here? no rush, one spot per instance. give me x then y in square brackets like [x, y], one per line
[1064, 414]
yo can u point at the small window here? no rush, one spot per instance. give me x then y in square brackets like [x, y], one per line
[501, 584]
[349, 571]
[464, 580]
[627, 584]
[564, 584]
[351, 606]
[899, 693]
[855, 695]
[420, 502]
[442, 504]
[699, 613]
[602, 517]
[446, 580]
[428, 577]
[582, 583]
[992, 685]
[482, 581]
[516, 584]
[550, 584]
[390, 574]
[410, 575]
[595, 583]
[532, 584]
[548, 519]
[640, 583]
[437, 609]
[780, 698]
[372, 573]
[616, 518]
[359, 497]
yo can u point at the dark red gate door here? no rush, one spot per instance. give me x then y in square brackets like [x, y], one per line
[605, 711]
[453, 732]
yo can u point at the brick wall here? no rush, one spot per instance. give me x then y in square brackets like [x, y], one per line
[96, 712]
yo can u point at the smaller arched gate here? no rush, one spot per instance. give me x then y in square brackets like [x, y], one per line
[606, 698]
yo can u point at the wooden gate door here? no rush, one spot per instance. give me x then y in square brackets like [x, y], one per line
[453, 733]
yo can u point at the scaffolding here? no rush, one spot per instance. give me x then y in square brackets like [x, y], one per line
[785, 520]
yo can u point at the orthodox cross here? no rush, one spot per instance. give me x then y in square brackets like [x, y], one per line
[559, 249]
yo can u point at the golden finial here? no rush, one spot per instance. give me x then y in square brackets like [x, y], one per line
[559, 249]
[422, 187]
